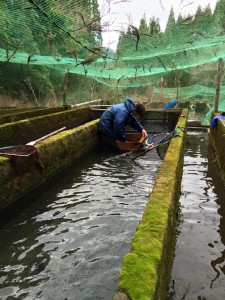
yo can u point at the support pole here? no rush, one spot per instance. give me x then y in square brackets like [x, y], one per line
[219, 71]
[177, 80]
[92, 89]
[65, 88]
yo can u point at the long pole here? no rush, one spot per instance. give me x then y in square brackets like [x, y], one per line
[45, 136]
[219, 71]
[177, 82]
[65, 88]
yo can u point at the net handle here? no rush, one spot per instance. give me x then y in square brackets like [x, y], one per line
[151, 147]
[45, 136]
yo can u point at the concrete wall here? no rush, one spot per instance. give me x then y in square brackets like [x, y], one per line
[13, 110]
[154, 120]
[145, 272]
[54, 154]
[28, 129]
[13, 117]
[217, 138]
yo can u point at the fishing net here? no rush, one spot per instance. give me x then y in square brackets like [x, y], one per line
[163, 144]
[159, 141]
[161, 150]
[22, 151]
[21, 156]
[154, 139]
[54, 38]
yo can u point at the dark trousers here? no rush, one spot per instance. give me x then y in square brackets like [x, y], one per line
[107, 141]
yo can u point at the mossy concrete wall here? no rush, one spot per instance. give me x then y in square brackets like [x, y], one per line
[154, 120]
[26, 130]
[146, 270]
[13, 117]
[217, 138]
[12, 110]
[55, 153]
[156, 115]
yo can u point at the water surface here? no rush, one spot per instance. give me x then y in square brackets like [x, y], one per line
[199, 263]
[70, 243]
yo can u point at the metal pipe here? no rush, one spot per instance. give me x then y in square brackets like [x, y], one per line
[86, 103]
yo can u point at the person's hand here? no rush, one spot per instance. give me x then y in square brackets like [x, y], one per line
[144, 133]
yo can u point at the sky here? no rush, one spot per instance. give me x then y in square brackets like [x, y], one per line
[119, 13]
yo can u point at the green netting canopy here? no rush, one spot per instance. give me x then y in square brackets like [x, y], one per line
[46, 37]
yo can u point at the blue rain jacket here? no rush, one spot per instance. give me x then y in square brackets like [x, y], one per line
[171, 104]
[215, 120]
[114, 120]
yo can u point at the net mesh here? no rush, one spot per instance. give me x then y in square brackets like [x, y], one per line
[154, 140]
[52, 38]
[21, 156]
[23, 151]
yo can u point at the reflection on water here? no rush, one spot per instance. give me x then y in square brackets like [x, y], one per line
[199, 264]
[70, 243]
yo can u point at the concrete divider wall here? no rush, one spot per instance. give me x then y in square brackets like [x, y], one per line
[55, 153]
[12, 110]
[146, 270]
[26, 130]
[156, 115]
[217, 138]
[13, 117]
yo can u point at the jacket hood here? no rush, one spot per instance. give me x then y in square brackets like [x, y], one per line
[130, 105]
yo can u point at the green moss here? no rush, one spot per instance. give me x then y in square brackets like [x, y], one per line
[5, 169]
[144, 273]
[68, 145]
[41, 125]
[13, 117]
[55, 153]
[16, 186]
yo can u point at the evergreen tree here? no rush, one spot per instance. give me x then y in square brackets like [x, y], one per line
[170, 31]
[121, 44]
[48, 27]
[155, 33]
[127, 43]
[154, 26]
[203, 23]
[144, 35]
[181, 31]
[143, 27]
[219, 17]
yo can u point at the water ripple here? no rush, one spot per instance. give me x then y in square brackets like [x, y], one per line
[198, 270]
[72, 241]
